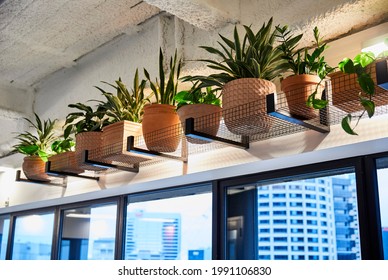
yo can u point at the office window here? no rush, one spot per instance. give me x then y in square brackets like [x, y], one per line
[280, 230]
[4, 231]
[382, 178]
[307, 216]
[89, 233]
[175, 228]
[33, 237]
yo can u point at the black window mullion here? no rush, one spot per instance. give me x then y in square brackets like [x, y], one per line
[219, 221]
[369, 210]
[120, 227]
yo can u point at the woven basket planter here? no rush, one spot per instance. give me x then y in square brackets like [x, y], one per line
[207, 119]
[244, 105]
[297, 89]
[34, 168]
[90, 141]
[346, 90]
[114, 142]
[161, 128]
[65, 162]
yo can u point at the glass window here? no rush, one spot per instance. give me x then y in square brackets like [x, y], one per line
[326, 205]
[178, 228]
[33, 237]
[382, 177]
[4, 230]
[89, 233]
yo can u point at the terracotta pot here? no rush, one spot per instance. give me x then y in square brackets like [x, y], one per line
[244, 105]
[91, 141]
[161, 128]
[114, 142]
[346, 90]
[207, 119]
[297, 89]
[34, 169]
[65, 162]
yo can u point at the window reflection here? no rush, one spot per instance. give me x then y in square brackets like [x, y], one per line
[170, 229]
[89, 233]
[33, 237]
[320, 213]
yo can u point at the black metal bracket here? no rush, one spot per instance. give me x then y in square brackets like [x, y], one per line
[105, 165]
[271, 110]
[191, 132]
[149, 154]
[65, 174]
[50, 183]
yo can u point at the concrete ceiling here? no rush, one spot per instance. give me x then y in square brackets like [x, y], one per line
[39, 37]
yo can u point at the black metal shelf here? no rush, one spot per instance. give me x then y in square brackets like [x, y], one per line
[50, 182]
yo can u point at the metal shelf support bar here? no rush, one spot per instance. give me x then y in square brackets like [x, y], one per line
[86, 160]
[271, 110]
[191, 132]
[65, 174]
[146, 153]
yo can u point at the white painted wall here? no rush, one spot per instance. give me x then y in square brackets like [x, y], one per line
[120, 58]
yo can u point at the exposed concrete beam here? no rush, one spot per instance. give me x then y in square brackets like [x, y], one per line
[196, 12]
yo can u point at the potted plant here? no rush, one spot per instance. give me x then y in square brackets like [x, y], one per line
[161, 125]
[204, 105]
[124, 112]
[36, 148]
[307, 69]
[64, 157]
[354, 88]
[86, 123]
[246, 69]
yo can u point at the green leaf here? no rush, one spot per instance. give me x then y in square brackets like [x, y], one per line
[369, 106]
[347, 66]
[345, 123]
[366, 83]
[364, 59]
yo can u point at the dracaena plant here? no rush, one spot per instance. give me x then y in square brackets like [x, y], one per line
[254, 56]
[85, 118]
[126, 105]
[38, 142]
[359, 67]
[166, 87]
[305, 60]
[197, 95]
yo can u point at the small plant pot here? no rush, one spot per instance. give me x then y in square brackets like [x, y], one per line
[65, 162]
[297, 89]
[114, 141]
[244, 106]
[34, 168]
[346, 90]
[161, 128]
[207, 119]
[90, 141]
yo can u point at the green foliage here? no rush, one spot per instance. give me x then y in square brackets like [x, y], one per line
[163, 90]
[255, 56]
[358, 66]
[62, 145]
[39, 142]
[84, 119]
[125, 105]
[197, 95]
[305, 61]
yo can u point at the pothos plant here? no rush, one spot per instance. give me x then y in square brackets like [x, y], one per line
[358, 66]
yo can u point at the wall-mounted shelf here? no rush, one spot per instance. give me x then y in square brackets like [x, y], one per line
[57, 181]
[203, 134]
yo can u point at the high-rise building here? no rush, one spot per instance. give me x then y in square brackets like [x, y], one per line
[153, 236]
[313, 219]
